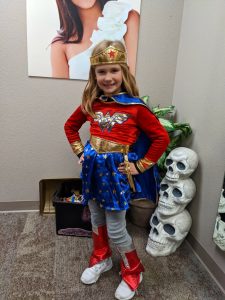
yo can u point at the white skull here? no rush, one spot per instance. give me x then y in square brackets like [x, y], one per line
[219, 233]
[174, 196]
[180, 163]
[221, 208]
[167, 233]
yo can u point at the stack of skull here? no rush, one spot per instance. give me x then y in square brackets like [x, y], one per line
[219, 230]
[171, 222]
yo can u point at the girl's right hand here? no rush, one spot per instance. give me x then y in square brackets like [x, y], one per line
[131, 166]
[80, 161]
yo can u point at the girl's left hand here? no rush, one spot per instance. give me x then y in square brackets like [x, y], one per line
[81, 159]
[133, 170]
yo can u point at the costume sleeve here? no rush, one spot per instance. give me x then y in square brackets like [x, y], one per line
[72, 126]
[159, 137]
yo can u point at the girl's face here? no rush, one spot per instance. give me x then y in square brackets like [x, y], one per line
[84, 4]
[109, 78]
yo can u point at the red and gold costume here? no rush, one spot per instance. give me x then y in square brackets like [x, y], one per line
[116, 128]
[107, 125]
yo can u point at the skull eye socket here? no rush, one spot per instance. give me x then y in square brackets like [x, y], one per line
[217, 225]
[169, 162]
[180, 166]
[177, 193]
[169, 229]
[155, 221]
[163, 187]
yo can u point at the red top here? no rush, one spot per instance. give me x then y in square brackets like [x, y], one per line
[122, 124]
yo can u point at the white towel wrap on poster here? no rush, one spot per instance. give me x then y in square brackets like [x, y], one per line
[111, 26]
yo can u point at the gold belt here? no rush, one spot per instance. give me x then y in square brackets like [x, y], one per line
[103, 146]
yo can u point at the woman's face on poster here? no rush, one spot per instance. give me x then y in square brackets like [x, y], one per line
[84, 4]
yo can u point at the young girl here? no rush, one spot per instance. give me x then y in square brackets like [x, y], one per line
[83, 24]
[117, 117]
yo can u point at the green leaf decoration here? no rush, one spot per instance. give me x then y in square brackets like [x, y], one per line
[168, 125]
[184, 127]
[164, 111]
[145, 99]
[176, 131]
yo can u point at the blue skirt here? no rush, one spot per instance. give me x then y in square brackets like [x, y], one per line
[103, 182]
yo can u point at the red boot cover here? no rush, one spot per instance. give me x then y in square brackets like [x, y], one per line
[131, 272]
[101, 246]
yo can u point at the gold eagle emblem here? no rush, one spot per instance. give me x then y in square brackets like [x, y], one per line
[107, 122]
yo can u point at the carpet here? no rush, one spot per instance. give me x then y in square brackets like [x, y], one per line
[37, 264]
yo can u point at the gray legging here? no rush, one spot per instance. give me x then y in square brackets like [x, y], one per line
[116, 225]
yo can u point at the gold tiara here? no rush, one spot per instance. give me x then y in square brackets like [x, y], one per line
[109, 55]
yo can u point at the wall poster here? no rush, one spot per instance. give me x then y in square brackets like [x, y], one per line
[62, 33]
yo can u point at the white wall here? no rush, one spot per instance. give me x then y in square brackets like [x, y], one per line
[33, 110]
[199, 95]
[158, 46]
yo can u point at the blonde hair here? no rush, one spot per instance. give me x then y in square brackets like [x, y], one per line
[92, 91]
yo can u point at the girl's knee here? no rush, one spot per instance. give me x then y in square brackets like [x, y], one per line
[115, 233]
[119, 235]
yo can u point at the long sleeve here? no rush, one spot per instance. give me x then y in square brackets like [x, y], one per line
[72, 126]
[159, 137]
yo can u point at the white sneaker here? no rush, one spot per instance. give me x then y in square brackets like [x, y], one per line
[123, 292]
[91, 275]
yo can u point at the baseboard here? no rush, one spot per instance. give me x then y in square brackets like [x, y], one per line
[19, 206]
[213, 269]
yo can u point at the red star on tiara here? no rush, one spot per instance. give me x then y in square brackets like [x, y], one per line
[112, 54]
